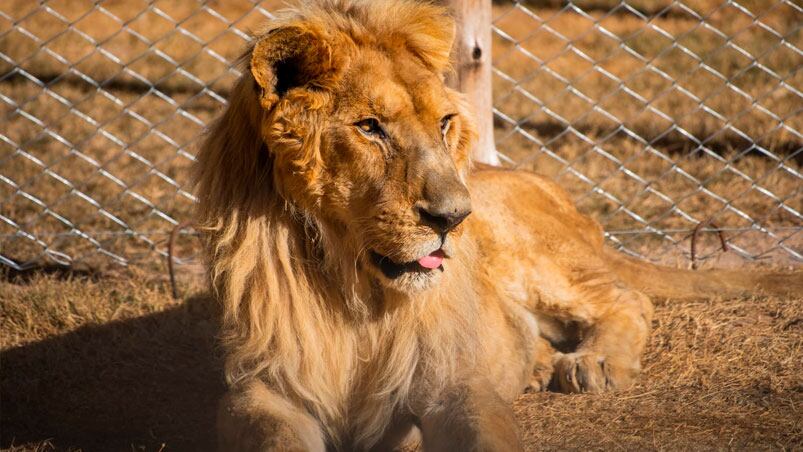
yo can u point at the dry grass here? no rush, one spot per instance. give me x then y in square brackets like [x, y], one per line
[113, 364]
[109, 364]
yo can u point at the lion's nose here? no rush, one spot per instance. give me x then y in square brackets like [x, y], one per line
[446, 213]
[443, 221]
[444, 199]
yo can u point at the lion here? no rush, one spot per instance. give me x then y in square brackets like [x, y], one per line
[373, 281]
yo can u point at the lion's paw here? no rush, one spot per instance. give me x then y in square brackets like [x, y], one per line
[540, 378]
[591, 372]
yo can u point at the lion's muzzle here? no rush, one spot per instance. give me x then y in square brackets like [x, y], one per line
[445, 199]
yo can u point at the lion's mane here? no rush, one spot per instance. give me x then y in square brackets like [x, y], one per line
[295, 313]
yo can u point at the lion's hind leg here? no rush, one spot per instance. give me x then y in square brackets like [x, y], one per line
[251, 417]
[609, 355]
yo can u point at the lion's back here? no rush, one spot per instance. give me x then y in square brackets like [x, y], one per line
[515, 202]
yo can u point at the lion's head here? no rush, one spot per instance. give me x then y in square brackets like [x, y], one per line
[358, 134]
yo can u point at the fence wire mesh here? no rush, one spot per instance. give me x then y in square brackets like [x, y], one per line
[657, 115]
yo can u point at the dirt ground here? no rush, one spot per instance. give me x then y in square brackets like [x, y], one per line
[113, 364]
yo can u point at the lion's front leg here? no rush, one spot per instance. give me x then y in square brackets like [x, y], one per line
[251, 417]
[543, 366]
[609, 356]
[469, 417]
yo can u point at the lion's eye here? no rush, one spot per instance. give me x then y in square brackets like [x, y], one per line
[370, 127]
[446, 124]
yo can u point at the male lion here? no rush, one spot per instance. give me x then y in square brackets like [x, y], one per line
[360, 299]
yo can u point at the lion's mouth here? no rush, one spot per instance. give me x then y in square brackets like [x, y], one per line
[393, 270]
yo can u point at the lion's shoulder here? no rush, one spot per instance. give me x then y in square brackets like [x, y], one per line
[486, 179]
[505, 197]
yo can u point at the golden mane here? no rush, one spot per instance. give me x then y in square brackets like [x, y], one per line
[292, 302]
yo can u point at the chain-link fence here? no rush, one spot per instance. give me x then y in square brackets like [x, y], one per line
[659, 116]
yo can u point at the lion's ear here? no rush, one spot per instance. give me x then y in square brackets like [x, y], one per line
[288, 57]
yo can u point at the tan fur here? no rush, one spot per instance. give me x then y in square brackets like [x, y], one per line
[325, 349]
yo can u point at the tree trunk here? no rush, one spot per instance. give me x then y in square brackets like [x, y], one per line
[472, 75]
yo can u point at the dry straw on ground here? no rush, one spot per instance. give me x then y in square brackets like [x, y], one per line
[113, 364]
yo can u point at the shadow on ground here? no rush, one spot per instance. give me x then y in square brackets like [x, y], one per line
[125, 385]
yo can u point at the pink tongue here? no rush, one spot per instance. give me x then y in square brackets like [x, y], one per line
[433, 260]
